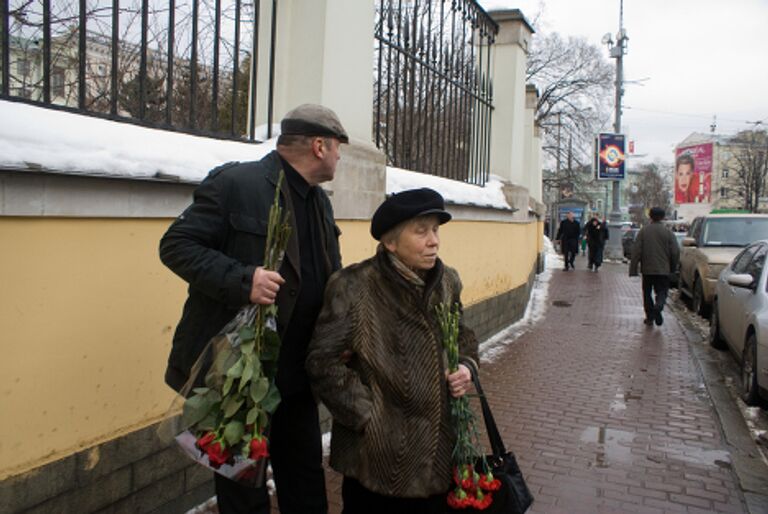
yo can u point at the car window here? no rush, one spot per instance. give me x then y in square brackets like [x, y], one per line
[741, 261]
[755, 266]
[694, 230]
[733, 231]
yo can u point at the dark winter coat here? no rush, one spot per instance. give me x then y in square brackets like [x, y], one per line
[392, 428]
[568, 230]
[656, 250]
[216, 244]
[596, 232]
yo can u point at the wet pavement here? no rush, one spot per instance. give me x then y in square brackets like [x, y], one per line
[607, 415]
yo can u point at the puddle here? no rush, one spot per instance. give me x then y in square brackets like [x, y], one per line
[614, 446]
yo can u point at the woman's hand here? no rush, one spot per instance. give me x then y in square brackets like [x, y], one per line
[460, 381]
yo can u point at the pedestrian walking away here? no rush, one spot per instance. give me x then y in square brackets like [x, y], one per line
[376, 361]
[217, 245]
[656, 251]
[568, 236]
[596, 234]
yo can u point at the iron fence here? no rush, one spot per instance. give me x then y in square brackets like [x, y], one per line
[186, 65]
[433, 91]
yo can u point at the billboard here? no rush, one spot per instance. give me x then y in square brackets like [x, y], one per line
[693, 174]
[610, 156]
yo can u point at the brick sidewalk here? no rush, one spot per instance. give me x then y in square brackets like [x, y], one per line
[604, 413]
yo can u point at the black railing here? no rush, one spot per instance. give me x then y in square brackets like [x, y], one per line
[433, 94]
[181, 65]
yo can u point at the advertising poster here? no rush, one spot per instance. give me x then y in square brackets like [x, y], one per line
[610, 156]
[693, 174]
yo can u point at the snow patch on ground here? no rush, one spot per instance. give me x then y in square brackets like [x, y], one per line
[494, 346]
[490, 195]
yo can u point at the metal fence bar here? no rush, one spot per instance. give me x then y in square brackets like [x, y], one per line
[6, 41]
[81, 53]
[215, 92]
[235, 70]
[46, 51]
[169, 101]
[113, 71]
[143, 60]
[254, 68]
[193, 66]
[271, 93]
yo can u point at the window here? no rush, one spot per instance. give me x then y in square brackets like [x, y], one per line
[755, 266]
[723, 192]
[741, 261]
[22, 68]
[734, 231]
[57, 82]
[725, 173]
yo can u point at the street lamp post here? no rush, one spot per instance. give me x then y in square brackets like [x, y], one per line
[617, 50]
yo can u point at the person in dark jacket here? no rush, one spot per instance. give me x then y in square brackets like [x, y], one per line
[658, 254]
[596, 234]
[377, 362]
[568, 236]
[217, 246]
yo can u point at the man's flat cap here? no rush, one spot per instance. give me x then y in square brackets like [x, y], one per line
[657, 213]
[313, 120]
[407, 205]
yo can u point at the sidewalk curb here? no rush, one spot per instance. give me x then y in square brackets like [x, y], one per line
[748, 466]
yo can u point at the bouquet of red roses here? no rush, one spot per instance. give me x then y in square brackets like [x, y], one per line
[474, 482]
[224, 423]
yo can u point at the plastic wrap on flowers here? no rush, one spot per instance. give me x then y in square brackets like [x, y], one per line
[227, 403]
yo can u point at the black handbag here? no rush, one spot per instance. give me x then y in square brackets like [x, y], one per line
[513, 497]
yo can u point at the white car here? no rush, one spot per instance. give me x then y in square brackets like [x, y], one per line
[740, 318]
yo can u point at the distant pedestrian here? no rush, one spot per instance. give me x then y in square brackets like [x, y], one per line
[568, 236]
[596, 234]
[656, 249]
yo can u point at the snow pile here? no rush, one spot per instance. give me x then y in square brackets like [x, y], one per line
[455, 192]
[53, 140]
[494, 346]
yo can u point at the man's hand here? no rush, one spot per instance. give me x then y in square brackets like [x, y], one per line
[459, 382]
[265, 286]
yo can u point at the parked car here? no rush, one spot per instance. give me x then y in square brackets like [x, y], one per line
[740, 318]
[712, 243]
[627, 239]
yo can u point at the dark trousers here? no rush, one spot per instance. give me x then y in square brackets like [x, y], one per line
[359, 500]
[658, 284]
[596, 255]
[570, 251]
[296, 454]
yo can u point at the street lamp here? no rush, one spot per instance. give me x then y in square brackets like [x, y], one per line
[616, 50]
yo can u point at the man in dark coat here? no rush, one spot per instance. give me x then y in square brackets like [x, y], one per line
[656, 250]
[568, 236]
[596, 234]
[217, 246]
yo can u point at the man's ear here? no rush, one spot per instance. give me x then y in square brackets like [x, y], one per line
[318, 147]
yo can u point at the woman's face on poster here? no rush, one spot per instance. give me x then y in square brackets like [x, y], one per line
[684, 172]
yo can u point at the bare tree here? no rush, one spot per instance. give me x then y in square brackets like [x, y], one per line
[575, 81]
[750, 154]
[651, 191]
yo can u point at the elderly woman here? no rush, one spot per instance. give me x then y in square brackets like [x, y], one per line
[376, 360]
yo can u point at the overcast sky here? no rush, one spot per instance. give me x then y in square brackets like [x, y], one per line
[702, 58]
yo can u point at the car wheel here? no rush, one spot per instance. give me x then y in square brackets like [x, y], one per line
[699, 307]
[750, 393]
[715, 338]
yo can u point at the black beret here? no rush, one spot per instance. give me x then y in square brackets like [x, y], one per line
[313, 120]
[657, 213]
[407, 205]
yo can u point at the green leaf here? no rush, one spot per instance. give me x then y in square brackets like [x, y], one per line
[227, 386]
[201, 390]
[209, 422]
[195, 408]
[271, 348]
[236, 370]
[247, 333]
[224, 360]
[259, 389]
[253, 415]
[233, 432]
[271, 400]
[231, 405]
[247, 348]
[263, 419]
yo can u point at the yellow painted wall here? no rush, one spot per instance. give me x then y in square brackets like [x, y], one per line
[87, 313]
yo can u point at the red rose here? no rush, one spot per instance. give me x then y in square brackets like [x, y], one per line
[488, 483]
[458, 499]
[205, 440]
[259, 448]
[218, 454]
